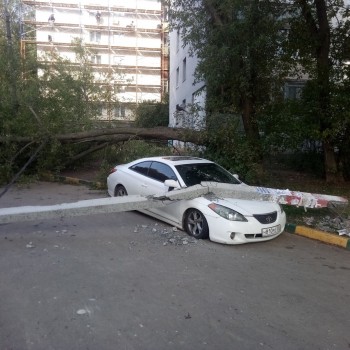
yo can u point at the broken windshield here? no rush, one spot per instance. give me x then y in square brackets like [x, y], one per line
[194, 174]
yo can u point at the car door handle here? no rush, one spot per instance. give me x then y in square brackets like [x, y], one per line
[144, 185]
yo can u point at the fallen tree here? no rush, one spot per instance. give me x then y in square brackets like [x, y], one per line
[93, 140]
[114, 135]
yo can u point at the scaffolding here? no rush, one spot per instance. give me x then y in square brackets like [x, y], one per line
[127, 39]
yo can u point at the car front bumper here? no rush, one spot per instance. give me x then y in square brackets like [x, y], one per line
[234, 232]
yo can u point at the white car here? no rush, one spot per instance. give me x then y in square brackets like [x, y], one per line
[223, 220]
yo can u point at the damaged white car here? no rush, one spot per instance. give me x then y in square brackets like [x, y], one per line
[223, 220]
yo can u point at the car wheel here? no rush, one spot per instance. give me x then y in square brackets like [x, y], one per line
[120, 191]
[196, 224]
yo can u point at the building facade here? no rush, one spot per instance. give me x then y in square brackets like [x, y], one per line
[126, 40]
[186, 98]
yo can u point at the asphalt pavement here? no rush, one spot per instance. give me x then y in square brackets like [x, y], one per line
[127, 281]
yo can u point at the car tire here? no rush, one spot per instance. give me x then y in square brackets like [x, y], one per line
[120, 191]
[196, 224]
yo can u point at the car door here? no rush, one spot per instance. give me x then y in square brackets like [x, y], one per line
[157, 174]
[137, 178]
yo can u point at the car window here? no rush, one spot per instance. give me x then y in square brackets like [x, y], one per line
[194, 174]
[161, 172]
[141, 168]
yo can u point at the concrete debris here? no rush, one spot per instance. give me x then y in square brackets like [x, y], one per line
[344, 232]
[30, 245]
[167, 235]
[309, 221]
[329, 224]
[82, 312]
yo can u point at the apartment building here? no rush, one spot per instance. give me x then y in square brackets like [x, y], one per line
[186, 97]
[126, 38]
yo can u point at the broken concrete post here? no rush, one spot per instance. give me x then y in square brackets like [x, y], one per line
[302, 199]
[85, 207]
[136, 202]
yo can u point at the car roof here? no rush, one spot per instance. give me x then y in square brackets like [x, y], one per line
[176, 160]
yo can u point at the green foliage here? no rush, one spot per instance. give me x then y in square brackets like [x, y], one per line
[152, 114]
[247, 49]
[42, 98]
[286, 125]
[127, 152]
[238, 44]
[133, 149]
[69, 95]
[293, 126]
[229, 147]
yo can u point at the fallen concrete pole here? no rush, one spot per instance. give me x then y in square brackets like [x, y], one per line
[84, 207]
[294, 198]
[127, 203]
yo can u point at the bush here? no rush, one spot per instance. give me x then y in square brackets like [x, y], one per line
[152, 114]
[229, 147]
[129, 151]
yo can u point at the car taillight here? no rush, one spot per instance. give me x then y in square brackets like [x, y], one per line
[113, 170]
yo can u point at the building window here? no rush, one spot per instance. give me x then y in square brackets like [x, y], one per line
[117, 38]
[165, 86]
[293, 91]
[95, 37]
[96, 59]
[116, 19]
[178, 40]
[98, 17]
[177, 76]
[99, 109]
[117, 60]
[119, 111]
[184, 69]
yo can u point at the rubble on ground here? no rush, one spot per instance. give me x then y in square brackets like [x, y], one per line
[168, 235]
[329, 224]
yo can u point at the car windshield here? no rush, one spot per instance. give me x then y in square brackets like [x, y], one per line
[194, 174]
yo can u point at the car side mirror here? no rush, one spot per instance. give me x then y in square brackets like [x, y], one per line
[236, 176]
[172, 184]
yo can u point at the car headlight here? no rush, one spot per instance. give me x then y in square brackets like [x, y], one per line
[227, 213]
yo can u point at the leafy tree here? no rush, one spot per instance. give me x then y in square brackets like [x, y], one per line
[152, 114]
[69, 94]
[319, 38]
[43, 98]
[247, 48]
[239, 47]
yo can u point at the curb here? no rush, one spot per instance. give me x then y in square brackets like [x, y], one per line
[319, 235]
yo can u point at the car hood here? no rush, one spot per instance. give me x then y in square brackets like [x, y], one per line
[248, 207]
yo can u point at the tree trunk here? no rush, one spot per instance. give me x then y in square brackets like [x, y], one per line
[331, 168]
[250, 126]
[323, 76]
[115, 135]
[320, 33]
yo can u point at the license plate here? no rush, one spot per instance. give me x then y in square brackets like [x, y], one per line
[270, 231]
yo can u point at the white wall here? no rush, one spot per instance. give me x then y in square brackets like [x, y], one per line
[182, 87]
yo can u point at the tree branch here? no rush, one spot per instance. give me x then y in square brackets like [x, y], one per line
[31, 159]
[120, 134]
